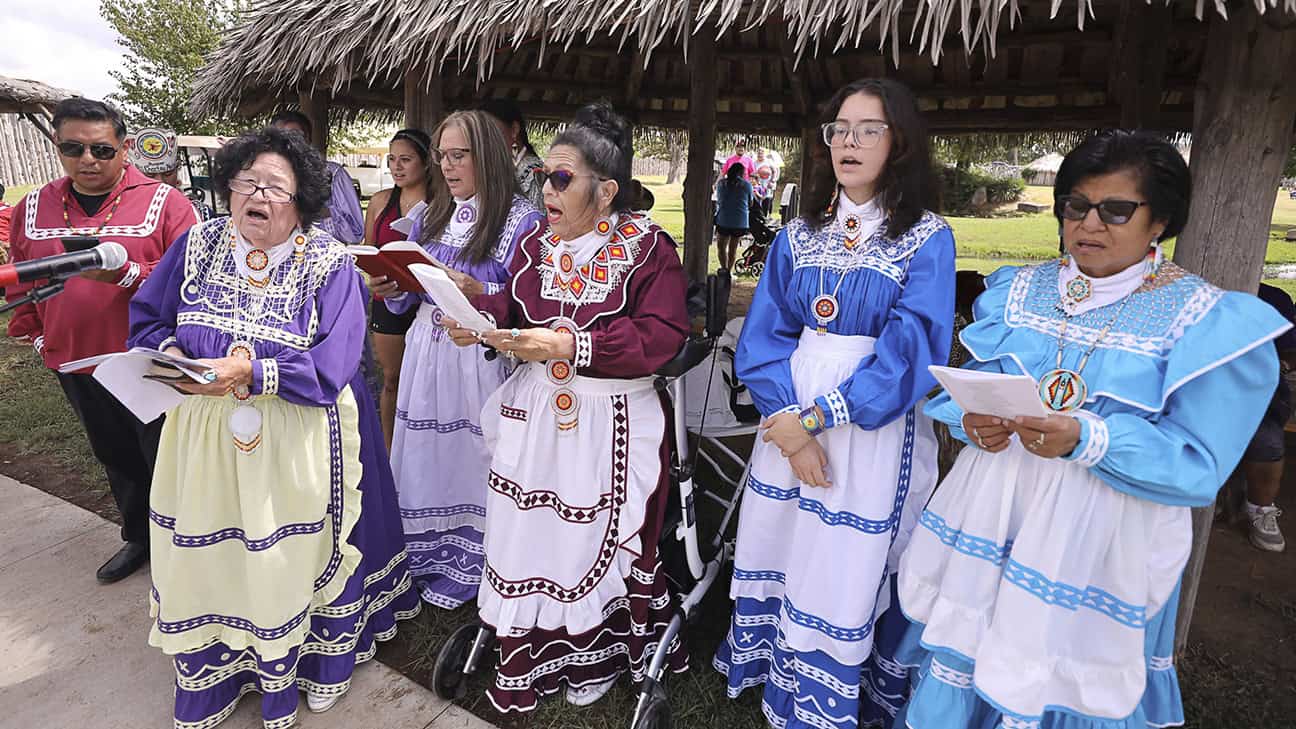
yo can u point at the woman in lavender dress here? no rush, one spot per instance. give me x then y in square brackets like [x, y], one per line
[578, 476]
[276, 564]
[473, 225]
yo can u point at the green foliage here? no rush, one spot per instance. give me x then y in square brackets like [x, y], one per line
[165, 42]
[959, 186]
[1290, 169]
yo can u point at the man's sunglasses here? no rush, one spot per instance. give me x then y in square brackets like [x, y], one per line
[102, 152]
[1111, 212]
[562, 179]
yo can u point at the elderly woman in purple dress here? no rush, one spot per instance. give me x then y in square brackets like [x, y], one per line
[472, 225]
[578, 480]
[277, 557]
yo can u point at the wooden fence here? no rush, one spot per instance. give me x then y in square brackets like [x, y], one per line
[26, 156]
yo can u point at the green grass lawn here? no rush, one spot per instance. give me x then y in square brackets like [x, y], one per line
[14, 193]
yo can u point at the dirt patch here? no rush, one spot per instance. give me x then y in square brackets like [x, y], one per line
[51, 475]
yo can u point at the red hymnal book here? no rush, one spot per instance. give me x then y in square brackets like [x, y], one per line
[393, 261]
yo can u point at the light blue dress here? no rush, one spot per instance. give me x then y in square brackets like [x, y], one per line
[1042, 592]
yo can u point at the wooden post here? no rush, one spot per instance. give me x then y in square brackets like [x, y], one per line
[424, 100]
[315, 105]
[1242, 131]
[1137, 75]
[698, 221]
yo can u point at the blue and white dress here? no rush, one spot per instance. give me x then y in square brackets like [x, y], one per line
[813, 565]
[1043, 591]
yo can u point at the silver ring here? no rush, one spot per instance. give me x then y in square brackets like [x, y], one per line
[1038, 442]
[976, 434]
[980, 442]
[514, 333]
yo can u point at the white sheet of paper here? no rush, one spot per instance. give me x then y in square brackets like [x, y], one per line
[405, 224]
[991, 393]
[123, 376]
[447, 295]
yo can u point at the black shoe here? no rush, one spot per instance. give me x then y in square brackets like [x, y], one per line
[129, 558]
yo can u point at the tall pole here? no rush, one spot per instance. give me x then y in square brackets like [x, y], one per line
[1242, 131]
[698, 220]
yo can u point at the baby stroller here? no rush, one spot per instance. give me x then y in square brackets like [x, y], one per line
[762, 231]
[691, 565]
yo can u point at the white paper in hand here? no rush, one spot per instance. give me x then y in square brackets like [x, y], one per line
[123, 376]
[991, 393]
[442, 290]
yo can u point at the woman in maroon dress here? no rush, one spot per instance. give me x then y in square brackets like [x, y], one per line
[578, 479]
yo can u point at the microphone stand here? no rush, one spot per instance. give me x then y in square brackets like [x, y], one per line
[50, 288]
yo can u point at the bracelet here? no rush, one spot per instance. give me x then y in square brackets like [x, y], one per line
[810, 420]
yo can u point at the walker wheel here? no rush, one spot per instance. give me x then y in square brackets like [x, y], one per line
[448, 679]
[656, 714]
[757, 269]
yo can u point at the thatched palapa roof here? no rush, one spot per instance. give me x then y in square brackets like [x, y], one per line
[976, 64]
[22, 96]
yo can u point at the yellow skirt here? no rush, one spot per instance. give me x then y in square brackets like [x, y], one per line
[246, 545]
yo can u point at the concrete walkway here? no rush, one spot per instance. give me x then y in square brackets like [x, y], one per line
[76, 653]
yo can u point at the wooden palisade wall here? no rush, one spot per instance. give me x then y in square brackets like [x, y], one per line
[26, 156]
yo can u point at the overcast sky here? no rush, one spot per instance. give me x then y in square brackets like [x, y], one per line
[59, 42]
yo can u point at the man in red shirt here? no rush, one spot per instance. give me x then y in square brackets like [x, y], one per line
[6, 212]
[104, 197]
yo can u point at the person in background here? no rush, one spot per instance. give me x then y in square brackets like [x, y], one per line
[154, 152]
[104, 197]
[6, 213]
[733, 214]
[344, 221]
[472, 224]
[739, 157]
[765, 181]
[1263, 461]
[408, 158]
[526, 163]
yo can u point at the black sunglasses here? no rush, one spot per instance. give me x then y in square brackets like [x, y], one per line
[1111, 212]
[103, 152]
[562, 179]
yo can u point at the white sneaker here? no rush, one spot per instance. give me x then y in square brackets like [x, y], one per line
[586, 695]
[1264, 529]
[319, 703]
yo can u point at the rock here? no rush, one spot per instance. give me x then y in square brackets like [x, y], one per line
[1291, 234]
[980, 197]
[1030, 207]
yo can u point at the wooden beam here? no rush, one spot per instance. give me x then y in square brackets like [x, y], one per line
[424, 100]
[634, 83]
[698, 219]
[1138, 62]
[796, 78]
[315, 105]
[1242, 131]
[39, 123]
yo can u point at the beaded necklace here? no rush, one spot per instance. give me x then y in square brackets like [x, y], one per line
[67, 219]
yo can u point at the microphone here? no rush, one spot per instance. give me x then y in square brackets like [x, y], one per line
[109, 256]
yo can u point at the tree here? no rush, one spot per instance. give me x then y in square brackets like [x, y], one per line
[667, 144]
[165, 42]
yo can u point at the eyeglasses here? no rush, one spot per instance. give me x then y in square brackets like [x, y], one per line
[562, 179]
[454, 155]
[103, 152]
[271, 193]
[1111, 212]
[866, 135]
